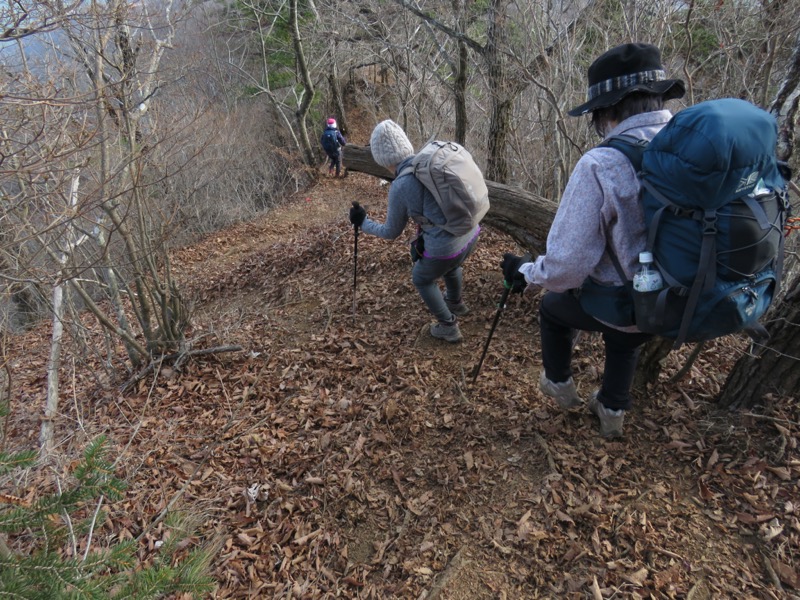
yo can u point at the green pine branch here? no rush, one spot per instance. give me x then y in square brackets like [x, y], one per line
[37, 561]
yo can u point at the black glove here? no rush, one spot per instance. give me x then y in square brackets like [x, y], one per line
[511, 276]
[357, 214]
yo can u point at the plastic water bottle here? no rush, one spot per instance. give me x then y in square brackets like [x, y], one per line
[647, 278]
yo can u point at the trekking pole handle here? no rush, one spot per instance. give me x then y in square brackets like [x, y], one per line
[509, 285]
[355, 205]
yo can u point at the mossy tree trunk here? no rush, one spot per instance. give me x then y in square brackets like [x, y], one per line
[306, 81]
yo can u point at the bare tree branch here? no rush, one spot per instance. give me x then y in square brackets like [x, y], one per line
[458, 35]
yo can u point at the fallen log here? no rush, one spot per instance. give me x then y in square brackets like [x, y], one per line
[522, 215]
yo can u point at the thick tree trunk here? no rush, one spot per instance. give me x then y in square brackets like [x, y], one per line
[460, 93]
[524, 216]
[500, 119]
[651, 362]
[774, 368]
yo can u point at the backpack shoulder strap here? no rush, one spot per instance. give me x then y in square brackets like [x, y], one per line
[632, 147]
[420, 219]
[406, 171]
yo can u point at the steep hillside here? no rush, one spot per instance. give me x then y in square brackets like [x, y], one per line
[385, 472]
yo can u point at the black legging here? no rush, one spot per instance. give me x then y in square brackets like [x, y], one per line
[335, 161]
[560, 314]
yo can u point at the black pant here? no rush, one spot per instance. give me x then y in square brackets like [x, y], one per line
[335, 161]
[560, 314]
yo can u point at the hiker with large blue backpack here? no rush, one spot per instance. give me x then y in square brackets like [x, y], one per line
[443, 191]
[699, 193]
[332, 142]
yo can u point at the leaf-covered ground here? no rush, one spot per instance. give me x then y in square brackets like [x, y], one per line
[378, 469]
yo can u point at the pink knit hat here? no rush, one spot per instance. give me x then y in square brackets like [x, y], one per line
[332, 122]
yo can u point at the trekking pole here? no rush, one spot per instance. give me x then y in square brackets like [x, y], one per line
[509, 286]
[500, 307]
[355, 260]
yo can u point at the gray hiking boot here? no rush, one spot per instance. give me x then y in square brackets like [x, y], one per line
[564, 392]
[449, 332]
[610, 420]
[457, 308]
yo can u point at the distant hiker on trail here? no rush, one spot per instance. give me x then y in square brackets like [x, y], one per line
[599, 221]
[332, 142]
[437, 253]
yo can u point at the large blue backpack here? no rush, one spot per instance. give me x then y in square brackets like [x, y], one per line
[330, 141]
[715, 206]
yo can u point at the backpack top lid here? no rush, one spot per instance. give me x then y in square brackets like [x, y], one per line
[712, 153]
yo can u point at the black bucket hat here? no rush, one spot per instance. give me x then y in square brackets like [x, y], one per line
[626, 69]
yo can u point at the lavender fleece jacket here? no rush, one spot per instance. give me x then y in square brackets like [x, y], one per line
[407, 196]
[600, 202]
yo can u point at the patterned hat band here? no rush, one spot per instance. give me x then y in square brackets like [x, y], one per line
[625, 81]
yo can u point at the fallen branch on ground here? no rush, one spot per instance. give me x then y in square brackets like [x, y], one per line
[177, 357]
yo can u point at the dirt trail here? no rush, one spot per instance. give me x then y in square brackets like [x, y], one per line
[423, 481]
[386, 473]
